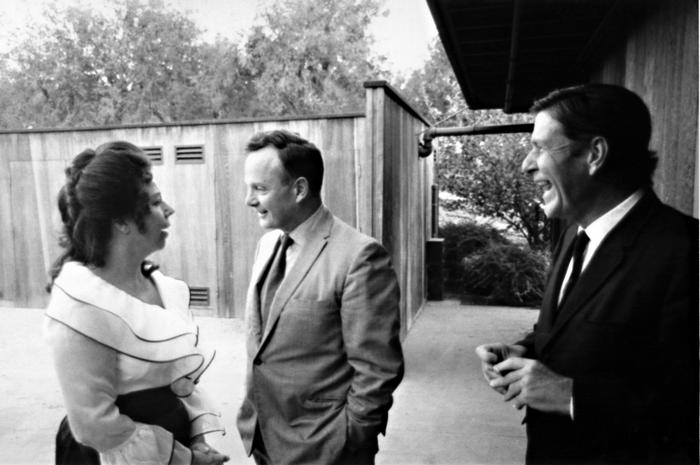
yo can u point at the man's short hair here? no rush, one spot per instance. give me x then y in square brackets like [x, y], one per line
[299, 157]
[615, 113]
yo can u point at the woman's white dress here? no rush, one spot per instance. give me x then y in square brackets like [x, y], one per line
[107, 343]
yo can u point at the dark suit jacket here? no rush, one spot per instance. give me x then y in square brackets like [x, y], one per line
[321, 373]
[628, 336]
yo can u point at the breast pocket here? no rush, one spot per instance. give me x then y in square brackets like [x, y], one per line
[311, 321]
[604, 346]
[309, 308]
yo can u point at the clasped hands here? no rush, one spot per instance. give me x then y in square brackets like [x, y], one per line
[524, 381]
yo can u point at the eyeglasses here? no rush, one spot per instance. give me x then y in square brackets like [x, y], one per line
[537, 149]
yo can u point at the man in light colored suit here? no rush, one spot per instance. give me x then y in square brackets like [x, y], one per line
[609, 373]
[322, 319]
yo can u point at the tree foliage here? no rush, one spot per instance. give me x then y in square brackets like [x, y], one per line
[314, 55]
[139, 61]
[138, 64]
[482, 171]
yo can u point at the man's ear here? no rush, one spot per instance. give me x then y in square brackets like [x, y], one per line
[597, 154]
[301, 188]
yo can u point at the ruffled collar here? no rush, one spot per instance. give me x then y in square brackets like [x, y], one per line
[148, 322]
[151, 333]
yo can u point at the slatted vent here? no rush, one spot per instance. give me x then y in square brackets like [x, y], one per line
[199, 296]
[189, 154]
[155, 154]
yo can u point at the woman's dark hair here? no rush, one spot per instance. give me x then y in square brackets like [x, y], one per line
[299, 157]
[102, 186]
[617, 114]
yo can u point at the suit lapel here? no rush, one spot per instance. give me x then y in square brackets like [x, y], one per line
[316, 242]
[551, 295]
[608, 259]
[605, 262]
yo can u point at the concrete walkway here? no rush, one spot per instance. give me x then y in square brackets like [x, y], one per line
[444, 413]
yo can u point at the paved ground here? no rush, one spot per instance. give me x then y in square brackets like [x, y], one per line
[443, 413]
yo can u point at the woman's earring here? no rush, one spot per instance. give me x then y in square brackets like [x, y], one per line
[124, 228]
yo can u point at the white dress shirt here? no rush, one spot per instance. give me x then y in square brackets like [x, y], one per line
[598, 230]
[300, 236]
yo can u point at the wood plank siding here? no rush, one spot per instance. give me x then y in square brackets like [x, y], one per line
[237, 226]
[402, 215]
[373, 180]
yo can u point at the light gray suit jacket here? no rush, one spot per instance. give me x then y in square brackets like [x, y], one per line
[320, 375]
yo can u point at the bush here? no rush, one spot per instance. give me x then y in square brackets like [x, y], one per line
[506, 274]
[462, 240]
[483, 266]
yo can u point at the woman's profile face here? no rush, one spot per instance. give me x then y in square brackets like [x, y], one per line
[156, 220]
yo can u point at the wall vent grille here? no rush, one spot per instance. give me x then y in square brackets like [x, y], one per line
[189, 154]
[199, 296]
[155, 154]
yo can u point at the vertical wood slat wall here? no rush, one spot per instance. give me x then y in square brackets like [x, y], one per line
[374, 180]
[213, 233]
[401, 214]
[657, 57]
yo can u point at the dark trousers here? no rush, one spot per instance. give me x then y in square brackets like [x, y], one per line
[71, 452]
[357, 457]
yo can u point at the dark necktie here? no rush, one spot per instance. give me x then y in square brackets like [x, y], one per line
[580, 243]
[274, 277]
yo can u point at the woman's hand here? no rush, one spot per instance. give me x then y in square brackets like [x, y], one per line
[204, 454]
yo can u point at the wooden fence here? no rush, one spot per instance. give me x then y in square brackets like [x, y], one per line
[401, 190]
[374, 180]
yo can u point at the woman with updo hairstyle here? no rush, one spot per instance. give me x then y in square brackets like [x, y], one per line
[125, 346]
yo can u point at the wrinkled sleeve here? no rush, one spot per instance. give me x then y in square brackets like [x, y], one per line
[87, 374]
[203, 414]
[528, 341]
[371, 324]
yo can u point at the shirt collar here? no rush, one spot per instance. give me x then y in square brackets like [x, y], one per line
[301, 234]
[597, 230]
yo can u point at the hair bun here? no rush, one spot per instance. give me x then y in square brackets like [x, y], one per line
[80, 162]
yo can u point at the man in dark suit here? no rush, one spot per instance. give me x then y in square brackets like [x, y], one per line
[322, 317]
[609, 373]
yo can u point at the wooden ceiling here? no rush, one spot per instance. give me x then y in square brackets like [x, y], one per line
[507, 53]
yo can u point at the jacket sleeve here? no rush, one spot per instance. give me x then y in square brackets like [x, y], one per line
[529, 343]
[371, 325]
[87, 374]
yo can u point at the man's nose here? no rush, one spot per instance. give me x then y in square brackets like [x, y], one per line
[249, 198]
[529, 164]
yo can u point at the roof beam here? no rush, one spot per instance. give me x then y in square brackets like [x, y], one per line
[513, 56]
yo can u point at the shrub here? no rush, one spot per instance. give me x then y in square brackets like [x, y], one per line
[462, 240]
[506, 274]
